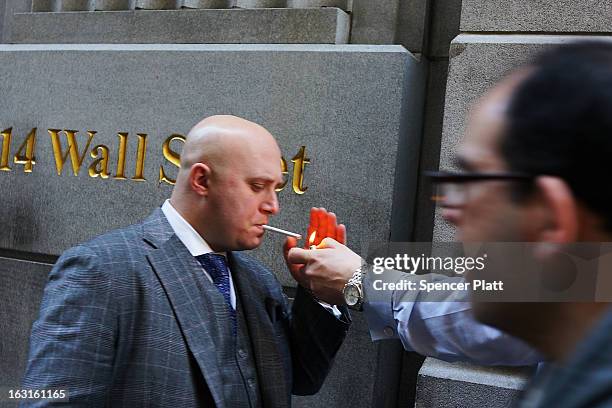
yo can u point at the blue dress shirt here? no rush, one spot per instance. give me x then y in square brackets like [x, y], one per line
[443, 329]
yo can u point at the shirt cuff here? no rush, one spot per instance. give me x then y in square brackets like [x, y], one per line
[378, 304]
[333, 309]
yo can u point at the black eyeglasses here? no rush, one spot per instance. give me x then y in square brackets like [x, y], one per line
[458, 177]
[451, 185]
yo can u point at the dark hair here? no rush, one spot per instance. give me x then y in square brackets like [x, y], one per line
[559, 122]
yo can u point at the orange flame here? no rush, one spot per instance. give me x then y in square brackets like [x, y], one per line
[311, 240]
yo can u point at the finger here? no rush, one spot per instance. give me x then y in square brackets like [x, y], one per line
[291, 242]
[300, 277]
[295, 270]
[331, 225]
[341, 234]
[299, 256]
[322, 223]
[328, 243]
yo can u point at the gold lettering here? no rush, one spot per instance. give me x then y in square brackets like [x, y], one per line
[73, 149]
[99, 167]
[121, 157]
[27, 157]
[6, 149]
[140, 157]
[284, 171]
[299, 164]
[170, 155]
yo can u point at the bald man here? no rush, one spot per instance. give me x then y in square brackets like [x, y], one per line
[167, 313]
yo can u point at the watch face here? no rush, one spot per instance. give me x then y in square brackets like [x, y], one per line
[351, 295]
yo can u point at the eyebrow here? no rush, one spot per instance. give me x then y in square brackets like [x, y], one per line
[265, 179]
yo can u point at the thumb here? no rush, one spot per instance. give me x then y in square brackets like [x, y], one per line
[290, 242]
[299, 256]
[329, 243]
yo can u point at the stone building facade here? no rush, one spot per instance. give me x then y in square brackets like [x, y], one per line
[362, 94]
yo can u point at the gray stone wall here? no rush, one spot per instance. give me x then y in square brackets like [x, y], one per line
[2, 11]
[198, 26]
[22, 284]
[362, 143]
[7, 8]
[457, 385]
[443, 26]
[425, 27]
[116, 5]
[537, 16]
[375, 22]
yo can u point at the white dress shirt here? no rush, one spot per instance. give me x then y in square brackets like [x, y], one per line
[196, 245]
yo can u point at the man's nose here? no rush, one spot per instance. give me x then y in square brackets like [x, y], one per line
[270, 206]
[451, 198]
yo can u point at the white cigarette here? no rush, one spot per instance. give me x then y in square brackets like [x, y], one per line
[282, 231]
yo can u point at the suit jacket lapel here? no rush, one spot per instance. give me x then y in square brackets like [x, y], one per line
[261, 310]
[177, 271]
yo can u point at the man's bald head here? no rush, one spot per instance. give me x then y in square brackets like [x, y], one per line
[216, 139]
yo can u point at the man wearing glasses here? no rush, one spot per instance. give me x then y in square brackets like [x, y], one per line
[534, 165]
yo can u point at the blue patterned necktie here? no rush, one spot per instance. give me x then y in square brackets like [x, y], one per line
[216, 266]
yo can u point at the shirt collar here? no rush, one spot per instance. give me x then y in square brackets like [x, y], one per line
[196, 245]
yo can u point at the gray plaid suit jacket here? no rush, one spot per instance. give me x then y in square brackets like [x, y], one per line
[123, 324]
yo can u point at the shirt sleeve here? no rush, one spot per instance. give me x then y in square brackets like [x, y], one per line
[72, 346]
[444, 328]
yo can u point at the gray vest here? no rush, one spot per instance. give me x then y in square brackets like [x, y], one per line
[235, 358]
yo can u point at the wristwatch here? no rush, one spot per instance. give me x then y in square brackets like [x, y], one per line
[353, 291]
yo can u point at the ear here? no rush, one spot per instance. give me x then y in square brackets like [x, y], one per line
[560, 203]
[199, 179]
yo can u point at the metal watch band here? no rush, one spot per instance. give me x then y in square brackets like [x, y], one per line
[357, 280]
[357, 277]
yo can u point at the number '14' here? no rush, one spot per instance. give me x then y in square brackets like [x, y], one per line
[24, 155]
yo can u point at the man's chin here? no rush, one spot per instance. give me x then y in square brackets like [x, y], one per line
[248, 245]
